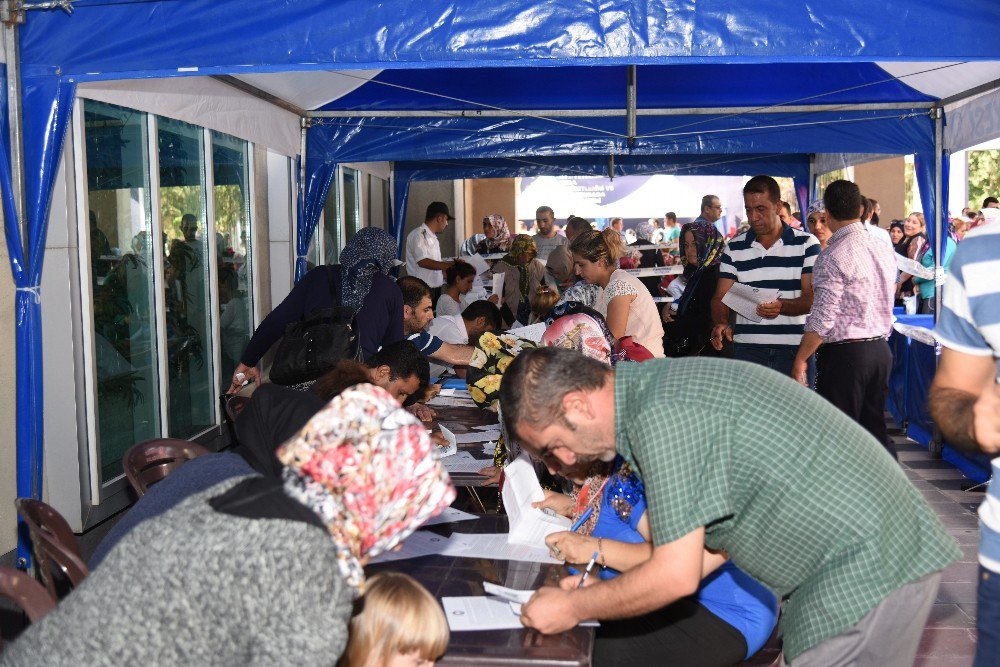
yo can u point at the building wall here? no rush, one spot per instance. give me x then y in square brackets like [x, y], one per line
[883, 181]
[486, 196]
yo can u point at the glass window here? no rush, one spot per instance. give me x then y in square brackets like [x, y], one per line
[352, 203]
[333, 228]
[121, 260]
[378, 203]
[233, 248]
[191, 385]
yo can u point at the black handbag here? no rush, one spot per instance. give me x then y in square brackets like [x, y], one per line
[313, 345]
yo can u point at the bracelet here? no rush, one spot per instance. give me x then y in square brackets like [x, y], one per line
[600, 551]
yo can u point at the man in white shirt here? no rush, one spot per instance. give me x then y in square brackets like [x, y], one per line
[478, 318]
[869, 219]
[423, 251]
[547, 238]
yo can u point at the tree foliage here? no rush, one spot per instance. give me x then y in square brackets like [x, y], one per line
[984, 177]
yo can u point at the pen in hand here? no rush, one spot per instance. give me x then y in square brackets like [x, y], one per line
[582, 520]
[586, 573]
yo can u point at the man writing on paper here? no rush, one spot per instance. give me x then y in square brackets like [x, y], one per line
[797, 494]
[770, 255]
[855, 285]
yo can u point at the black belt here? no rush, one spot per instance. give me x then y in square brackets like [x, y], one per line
[854, 340]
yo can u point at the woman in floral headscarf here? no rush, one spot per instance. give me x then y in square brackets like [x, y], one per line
[576, 326]
[264, 569]
[497, 235]
[523, 274]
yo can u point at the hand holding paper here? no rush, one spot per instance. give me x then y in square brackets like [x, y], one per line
[745, 299]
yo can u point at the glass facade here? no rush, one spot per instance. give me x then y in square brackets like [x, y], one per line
[233, 247]
[181, 324]
[122, 279]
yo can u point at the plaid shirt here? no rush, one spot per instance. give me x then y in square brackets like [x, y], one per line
[854, 285]
[800, 496]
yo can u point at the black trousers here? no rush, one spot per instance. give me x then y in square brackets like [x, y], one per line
[684, 634]
[855, 378]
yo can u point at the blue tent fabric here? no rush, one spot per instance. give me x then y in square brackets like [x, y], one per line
[310, 204]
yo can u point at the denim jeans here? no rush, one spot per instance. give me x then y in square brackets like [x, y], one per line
[775, 357]
[988, 618]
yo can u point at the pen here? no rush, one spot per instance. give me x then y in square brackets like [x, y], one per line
[586, 573]
[583, 519]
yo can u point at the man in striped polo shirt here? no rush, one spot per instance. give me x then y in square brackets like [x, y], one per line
[770, 255]
[965, 400]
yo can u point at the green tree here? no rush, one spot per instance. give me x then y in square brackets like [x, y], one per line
[984, 177]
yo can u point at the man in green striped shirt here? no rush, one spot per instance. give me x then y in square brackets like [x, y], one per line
[739, 460]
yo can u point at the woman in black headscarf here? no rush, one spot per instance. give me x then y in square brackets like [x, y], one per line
[689, 325]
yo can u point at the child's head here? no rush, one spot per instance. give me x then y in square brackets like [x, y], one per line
[396, 623]
[543, 300]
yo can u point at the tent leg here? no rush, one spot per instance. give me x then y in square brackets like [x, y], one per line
[939, 228]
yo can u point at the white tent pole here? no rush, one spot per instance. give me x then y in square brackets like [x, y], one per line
[812, 178]
[12, 18]
[939, 227]
[631, 101]
[601, 113]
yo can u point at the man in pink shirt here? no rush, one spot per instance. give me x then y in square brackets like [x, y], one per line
[854, 282]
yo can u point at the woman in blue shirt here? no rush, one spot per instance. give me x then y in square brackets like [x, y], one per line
[728, 620]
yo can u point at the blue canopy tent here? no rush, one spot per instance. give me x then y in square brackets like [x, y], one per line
[817, 89]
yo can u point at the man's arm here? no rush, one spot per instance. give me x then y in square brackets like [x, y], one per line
[433, 264]
[720, 314]
[965, 400]
[673, 571]
[456, 355]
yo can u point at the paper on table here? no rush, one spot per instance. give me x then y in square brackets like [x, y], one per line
[449, 515]
[498, 284]
[451, 449]
[464, 462]
[451, 402]
[479, 613]
[496, 547]
[745, 299]
[490, 448]
[533, 332]
[421, 543]
[508, 594]
[476, 436]
[528, 525]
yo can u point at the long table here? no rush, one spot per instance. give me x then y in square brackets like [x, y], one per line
[461, 420]
[448, 576]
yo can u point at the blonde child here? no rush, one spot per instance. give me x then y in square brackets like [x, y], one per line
[542, 301]
[396, 624]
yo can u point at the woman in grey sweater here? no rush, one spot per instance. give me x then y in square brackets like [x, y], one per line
[256, 571]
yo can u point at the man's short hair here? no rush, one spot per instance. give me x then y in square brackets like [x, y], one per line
[670, 215]
[545, 209]
[414, 290]
[867, 208]
[788, 207]
[763, 185]
[990, 200]
[843, 200]
[484, 309]
[404, 360]
[537, 381]
[706, 201]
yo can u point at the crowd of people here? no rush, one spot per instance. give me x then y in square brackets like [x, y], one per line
[717, 457]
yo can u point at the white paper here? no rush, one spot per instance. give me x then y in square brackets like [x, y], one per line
[508, 594]
[479, 613]
[498, 284]
[495, 546]
[450, 515]
[451, 449]
[478, 263]
[464, 462]
[913, 267]
[451, 402]
[528, 525]
[446, 392]
[745, 299]
[490, 448]
[533, 332]
[420, 543]
[476, 436]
